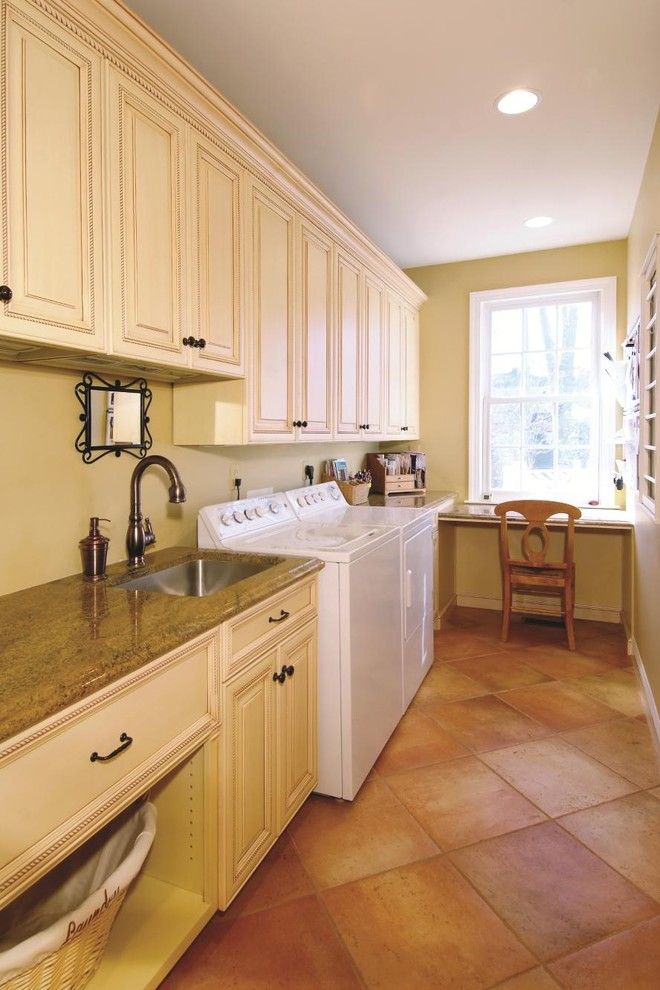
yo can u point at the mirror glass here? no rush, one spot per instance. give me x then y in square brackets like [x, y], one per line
[114, 417]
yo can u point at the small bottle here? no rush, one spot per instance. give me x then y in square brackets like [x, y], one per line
[93, 551]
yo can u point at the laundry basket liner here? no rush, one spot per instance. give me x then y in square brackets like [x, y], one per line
[89, 890]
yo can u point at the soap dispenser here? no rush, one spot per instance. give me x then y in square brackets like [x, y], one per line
[93, 551]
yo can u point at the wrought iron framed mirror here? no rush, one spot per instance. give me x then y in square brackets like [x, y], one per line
[114, 417]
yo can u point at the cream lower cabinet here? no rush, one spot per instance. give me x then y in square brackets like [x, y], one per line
[52, 236]
[270, 752]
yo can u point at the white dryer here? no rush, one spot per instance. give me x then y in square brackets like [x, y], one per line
[415, 528]
[359, 622]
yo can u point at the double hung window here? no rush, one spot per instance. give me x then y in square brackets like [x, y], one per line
[648, 460]
[540, 423]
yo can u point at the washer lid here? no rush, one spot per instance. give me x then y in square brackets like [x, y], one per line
[308, 537]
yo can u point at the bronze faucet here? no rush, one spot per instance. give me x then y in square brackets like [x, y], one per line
[140, 534]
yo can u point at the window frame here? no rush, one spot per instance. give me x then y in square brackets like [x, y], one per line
[648, 338]
[481, 305]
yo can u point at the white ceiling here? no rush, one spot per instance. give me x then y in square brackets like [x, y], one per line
[388, 106]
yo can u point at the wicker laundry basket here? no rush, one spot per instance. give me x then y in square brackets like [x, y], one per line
[65, 955]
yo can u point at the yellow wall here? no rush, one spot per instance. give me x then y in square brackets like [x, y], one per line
[48, 493]
[444, 328]
[646, 223]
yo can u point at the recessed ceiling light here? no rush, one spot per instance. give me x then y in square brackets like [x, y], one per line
[538, 221]
[517, 101]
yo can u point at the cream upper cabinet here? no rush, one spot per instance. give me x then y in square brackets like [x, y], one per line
[396, 368]
[373, 378]
[147, 223]
[271, 288]
[52, 243]
[313, 402]
[349, 356]
[215, 338]
[411, 344]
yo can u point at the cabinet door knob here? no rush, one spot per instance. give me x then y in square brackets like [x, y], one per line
[281, 677]
[188, 341]
[281, 617]
[289, 671]
[303, 424]
[201, 343]
[125, 741]
[5, 293]
[297, 422]
[367, 427]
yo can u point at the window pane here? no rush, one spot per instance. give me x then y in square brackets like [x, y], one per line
[575, 325]
[541, 332]
[538, 470]
[505, 468]
[540, 373]
[506, 374]
[539, 424]
[575, 423]
[505, 423]
[574, 371]
[506, 327]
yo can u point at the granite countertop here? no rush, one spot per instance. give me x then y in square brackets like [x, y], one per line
[429, 500]
[65, 640]
[595, 518]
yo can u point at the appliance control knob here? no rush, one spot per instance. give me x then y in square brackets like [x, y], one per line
[261, 511]
[274, 507]
[250, 513]
[335, 494]
[300, 500]
[316, 496]
[239, 516]
[322, 496]
[226, 519]
[308, 499]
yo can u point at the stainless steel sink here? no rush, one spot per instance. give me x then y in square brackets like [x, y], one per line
[196, 578]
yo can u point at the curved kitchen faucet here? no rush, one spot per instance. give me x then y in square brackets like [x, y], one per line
[140, 535]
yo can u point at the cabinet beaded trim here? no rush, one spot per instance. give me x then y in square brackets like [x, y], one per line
[118, 688]
[181, 747]
[22, 16]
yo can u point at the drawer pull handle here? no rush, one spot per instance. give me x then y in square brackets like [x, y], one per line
[282, 616]
[125, 741]
[281, 677]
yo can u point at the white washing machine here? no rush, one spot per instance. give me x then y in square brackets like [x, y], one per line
[359, 676]
[415, 527]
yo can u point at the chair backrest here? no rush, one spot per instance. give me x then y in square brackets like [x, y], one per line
[536, 513]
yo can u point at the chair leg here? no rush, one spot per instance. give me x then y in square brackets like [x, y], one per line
[506, 610]
[569, 606]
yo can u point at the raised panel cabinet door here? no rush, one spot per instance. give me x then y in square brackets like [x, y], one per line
[147, 184]
[51, 186]
[396, 368]
[216, 264]
[374, 358]
[297, 760]
[349, 358]
[314, 354]
[411, 337]
[271, 291]
[249, 814]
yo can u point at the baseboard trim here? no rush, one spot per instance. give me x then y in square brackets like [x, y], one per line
[581, 611]
[437, 621]
[647, 693]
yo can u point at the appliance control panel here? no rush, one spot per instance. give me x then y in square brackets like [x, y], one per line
[248, 515]
[313, 499]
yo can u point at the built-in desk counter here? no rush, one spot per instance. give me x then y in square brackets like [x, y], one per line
[470, 568]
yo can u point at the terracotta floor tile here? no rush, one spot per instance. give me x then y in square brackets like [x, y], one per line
[655, 791]
[499, 671]
[587, 629]
[526, 633]
[562, 664]
[619, 689]
[558, 705]
[473, 619]
[556, 776]
[455, 644]
[293, 945]
[626, 834]
[627, 961]
[339, 841]
[625, 746]
[534, 979]
[485, 723]
[462, 802]
[280, 877]
[556, 895]
[614, 649]
[443, 683]
[423, 927]
[417, 742]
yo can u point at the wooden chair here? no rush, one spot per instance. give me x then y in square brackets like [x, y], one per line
[534, 573]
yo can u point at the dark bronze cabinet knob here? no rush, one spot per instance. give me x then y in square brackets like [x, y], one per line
[281, 677]
[289, 671]
[188, 341]
[5, 293]
[303, 424]
[201, 343]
